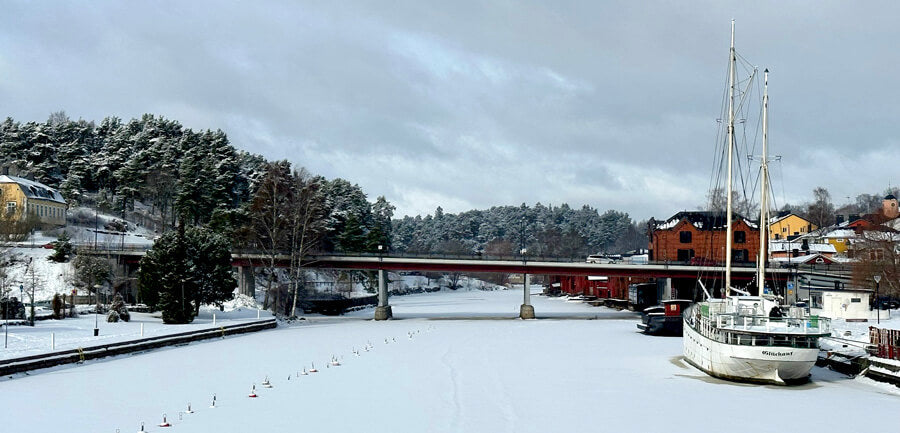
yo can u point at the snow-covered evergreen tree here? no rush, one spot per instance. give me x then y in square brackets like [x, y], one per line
[118, 310]
[184, 269]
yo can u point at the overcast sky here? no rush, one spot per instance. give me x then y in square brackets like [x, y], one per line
[468, 105]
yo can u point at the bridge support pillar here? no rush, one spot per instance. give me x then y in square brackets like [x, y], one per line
[246, 281]
[526, 311]
[383, 310]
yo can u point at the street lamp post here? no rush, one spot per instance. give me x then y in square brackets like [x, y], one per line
[877, 279]
[96, 310]
[6, 315]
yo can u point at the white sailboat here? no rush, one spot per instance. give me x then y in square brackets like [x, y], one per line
[751, 338]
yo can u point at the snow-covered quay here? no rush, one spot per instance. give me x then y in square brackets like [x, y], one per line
[579, 368]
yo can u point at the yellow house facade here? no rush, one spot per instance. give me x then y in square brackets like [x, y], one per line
[22, 197]
[788, 226]
[841, 239]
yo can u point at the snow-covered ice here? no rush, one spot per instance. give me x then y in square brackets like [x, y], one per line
[583, 369]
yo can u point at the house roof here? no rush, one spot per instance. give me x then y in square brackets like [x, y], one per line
[34, 190]
[784, 217]
[809, 258]
[782, 246]
[702, 220]
[840, 234]
[831, 289]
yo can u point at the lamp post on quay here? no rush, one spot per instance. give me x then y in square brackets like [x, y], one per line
[877, 279]
[97, 310]
[6, 315]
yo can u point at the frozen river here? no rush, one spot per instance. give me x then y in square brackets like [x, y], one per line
[439, 367]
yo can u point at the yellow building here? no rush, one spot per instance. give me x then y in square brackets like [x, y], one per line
[22, 196]
[841, 239]
[789, 225]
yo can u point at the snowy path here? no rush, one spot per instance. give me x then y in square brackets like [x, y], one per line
[72, 333]
[451, 376]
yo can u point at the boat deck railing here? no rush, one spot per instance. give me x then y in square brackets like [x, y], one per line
[767, 324]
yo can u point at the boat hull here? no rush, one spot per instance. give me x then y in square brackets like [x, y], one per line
[661, 325]
[756, 364]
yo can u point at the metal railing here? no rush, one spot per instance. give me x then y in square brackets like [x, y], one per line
[791, 325]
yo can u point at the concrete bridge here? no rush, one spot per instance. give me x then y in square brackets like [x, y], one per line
[245, 262]
[539, 266]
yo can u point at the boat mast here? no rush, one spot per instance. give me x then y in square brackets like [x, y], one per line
[764, 191]
[728, 235]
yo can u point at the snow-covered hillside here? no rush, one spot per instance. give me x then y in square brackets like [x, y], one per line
[50, 278]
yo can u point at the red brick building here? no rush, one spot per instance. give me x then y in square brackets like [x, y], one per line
[699, 238]
[601, 287]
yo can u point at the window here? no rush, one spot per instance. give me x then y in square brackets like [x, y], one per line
[10, 207]
[740, 237]
[684, 237]
[685, 255]
[816, 298]
[739, 255]
[855, 300]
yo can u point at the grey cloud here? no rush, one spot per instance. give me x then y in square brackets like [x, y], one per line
[473, 104]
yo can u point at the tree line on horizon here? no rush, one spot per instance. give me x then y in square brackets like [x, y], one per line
[542, 231]
[156, 172]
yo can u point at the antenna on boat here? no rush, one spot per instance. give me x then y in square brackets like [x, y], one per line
[730, 128]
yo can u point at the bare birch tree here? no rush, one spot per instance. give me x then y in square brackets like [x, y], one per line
[270, 216]
[307, 209]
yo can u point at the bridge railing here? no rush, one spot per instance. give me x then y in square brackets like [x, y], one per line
[839, 268]
[113, 247]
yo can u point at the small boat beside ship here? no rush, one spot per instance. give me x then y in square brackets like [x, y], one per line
[664, 319]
